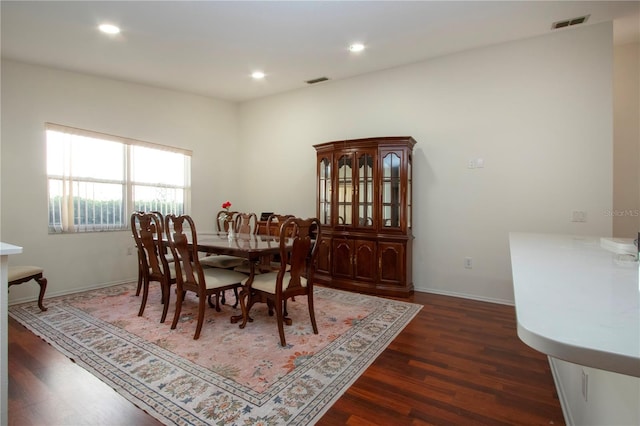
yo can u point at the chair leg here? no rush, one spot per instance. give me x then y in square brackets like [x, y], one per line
[312, 312]
[200, 316]
[145, 293]
[176, 316]
[218, 301]
[166, 294]
[42, 282]
[224, 299]
[163, 291]
[285, 315]
[140, 276]
[235, 293]
[280, 321]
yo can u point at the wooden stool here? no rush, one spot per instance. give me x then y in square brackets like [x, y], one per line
[22, 274]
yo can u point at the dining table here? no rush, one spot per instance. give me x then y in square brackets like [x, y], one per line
[256, 248]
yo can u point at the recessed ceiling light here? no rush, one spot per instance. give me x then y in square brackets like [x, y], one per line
[257, 75]
[109, 29]
[356, 47]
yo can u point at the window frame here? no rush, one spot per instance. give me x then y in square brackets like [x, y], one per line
[67, 210]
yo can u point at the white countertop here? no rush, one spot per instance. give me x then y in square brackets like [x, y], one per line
[575, 302]
[6, 249]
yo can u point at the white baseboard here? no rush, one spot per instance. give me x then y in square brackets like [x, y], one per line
[64, 293]
[465, 296]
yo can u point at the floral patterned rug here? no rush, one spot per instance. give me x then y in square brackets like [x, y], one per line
[230, 376]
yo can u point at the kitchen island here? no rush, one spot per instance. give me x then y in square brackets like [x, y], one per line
[5, 251]
[580, 304]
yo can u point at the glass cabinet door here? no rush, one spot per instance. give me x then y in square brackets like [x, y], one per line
[324, 192]
[365, 190]
[391, 190]
[345, 190]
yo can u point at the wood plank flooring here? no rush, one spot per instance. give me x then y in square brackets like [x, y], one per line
[459, 362]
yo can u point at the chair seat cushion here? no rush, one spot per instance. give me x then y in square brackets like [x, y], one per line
[267, 282]
[276, 266]
[221, 261]
[245, 268]
[217, 277]
[21, 272]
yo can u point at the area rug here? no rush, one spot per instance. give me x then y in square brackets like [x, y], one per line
[230, 376]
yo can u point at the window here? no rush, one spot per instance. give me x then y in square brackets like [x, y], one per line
[96, 180]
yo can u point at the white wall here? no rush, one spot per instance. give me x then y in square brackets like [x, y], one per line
[33, 95]
[538, 111]
[626, 137]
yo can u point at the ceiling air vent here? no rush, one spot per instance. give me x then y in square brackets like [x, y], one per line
[317, 80]
[569, 22]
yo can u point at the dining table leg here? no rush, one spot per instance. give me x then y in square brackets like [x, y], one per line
[245, 299]
[243, 306]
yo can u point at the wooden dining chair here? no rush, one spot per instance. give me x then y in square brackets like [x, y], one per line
[274, 222]
[164, 248]
[295, 275]
[246, 223]
[154, 265]
[140, 268]
[224, 222]
[191, 276]
[140, 265]
[242, 223]
[22, 274]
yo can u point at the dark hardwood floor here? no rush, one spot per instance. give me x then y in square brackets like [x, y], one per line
[459, 362]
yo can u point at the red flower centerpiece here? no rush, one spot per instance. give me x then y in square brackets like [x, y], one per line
[226, 218]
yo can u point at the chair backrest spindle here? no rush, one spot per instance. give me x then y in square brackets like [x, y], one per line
[188, 268]
[147, 232]
[246, 223]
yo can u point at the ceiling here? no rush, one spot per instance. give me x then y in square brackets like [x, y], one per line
[211, 47]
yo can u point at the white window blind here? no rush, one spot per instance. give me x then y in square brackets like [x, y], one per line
[96, 180]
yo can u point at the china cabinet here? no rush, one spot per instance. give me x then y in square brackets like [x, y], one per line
[364, 201]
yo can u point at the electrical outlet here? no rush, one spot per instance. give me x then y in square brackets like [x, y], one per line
[129, 251]
[468, 262]
[578, 216]
[471, 164]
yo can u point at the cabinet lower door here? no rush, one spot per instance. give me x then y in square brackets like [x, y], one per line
[324, 256]
[365, 260]
[391, 263]
[342, 259]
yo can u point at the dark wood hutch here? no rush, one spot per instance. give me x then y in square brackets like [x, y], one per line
[364, 202]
